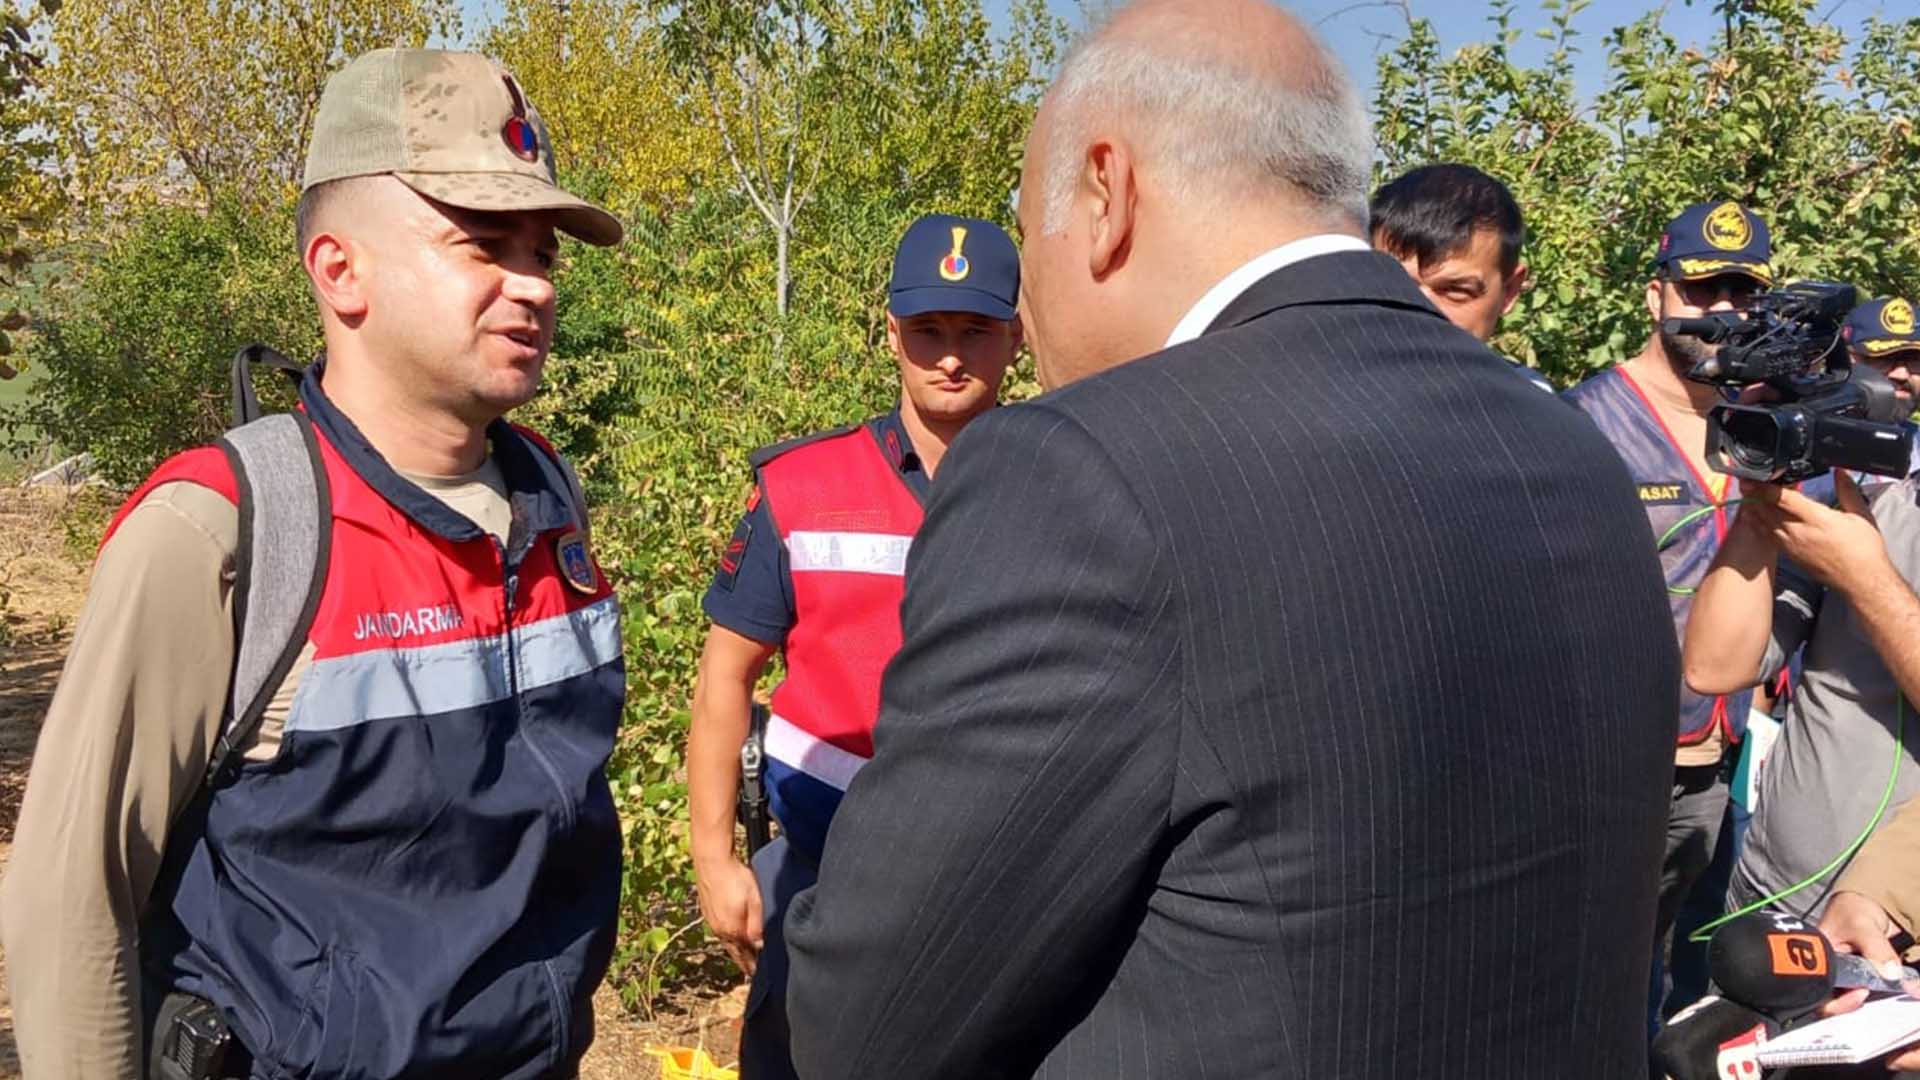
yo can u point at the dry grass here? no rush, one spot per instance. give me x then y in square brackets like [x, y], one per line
[43, 585]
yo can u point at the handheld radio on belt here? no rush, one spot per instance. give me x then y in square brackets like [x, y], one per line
[191, 1041]
[751, 808]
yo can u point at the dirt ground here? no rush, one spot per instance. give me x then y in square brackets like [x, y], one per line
[42, 583]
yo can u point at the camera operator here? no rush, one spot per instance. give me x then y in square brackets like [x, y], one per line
[1841, 591]
[1713, 257]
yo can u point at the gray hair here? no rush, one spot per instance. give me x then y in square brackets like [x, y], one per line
[1222, 130]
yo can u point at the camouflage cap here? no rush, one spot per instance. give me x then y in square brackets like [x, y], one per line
[453, 126]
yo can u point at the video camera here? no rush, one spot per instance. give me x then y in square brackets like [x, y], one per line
[1830, 414]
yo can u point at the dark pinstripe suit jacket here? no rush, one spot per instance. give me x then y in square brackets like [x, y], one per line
[1295, 702]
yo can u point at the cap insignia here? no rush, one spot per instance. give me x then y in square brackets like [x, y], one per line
[518, 132]
[1897, 317]
[955, 266]
[1727, 227]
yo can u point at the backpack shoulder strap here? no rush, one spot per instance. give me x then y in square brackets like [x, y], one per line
[246, 403]
[280, 565]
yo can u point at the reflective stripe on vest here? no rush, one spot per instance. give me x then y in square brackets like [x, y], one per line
[816, 757]
[425, 879]
[847, 519]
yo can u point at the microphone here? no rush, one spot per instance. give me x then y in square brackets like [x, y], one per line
[1771, 969]
[1712, 1039]
[1773, 963]
[1708, 328]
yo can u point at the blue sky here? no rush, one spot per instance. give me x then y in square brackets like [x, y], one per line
[1353, 27]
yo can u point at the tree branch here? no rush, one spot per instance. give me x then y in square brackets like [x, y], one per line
[733, 154]
[756, 110]
[1554, 133]
[1401, 6]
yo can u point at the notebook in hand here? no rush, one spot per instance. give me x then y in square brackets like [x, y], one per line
[1876, 1028]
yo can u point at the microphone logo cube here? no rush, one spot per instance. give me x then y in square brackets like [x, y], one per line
[1797, 954]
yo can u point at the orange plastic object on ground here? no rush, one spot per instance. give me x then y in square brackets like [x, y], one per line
[681, 1064]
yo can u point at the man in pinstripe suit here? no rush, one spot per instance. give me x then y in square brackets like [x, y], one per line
[1287, 702]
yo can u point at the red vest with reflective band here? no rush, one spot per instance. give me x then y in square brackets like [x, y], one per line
[847, 519]
[424, 880]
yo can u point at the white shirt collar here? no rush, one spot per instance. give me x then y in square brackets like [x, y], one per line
[1217, 298]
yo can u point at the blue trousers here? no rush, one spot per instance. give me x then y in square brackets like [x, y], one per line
[765, 1052]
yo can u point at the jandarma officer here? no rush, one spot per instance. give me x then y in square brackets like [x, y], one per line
[415, 868]
[815, 569]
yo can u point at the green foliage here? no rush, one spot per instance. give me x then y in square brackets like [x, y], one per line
[134, 348]
[599, 71]
[1777, 113]
[212, 100]
[662, 429]
[29, 199]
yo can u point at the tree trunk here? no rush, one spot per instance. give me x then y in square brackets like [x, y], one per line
[783, 235]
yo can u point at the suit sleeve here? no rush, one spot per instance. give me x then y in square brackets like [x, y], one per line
[985, 866]
[124, 746]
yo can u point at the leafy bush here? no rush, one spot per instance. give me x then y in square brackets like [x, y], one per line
[662, 423]
[134, 348]
[1777, 113]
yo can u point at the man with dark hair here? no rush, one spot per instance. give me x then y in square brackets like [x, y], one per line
[1713, 257]
[1458, 232]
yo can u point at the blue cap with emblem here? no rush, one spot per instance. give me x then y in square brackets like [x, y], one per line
[1714, 238]
[947, 263]
[1879, 327]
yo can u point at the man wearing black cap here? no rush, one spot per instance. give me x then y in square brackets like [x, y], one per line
[1712, 257]
[1884, 335]
[815, 569]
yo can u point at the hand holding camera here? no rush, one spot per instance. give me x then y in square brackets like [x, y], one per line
[1839, 546]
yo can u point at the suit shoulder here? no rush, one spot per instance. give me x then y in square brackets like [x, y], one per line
[1073, 428]
[767, 453]
[1022, 423]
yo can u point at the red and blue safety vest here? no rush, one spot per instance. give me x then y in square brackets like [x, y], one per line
[424, 878]
[847, 519]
